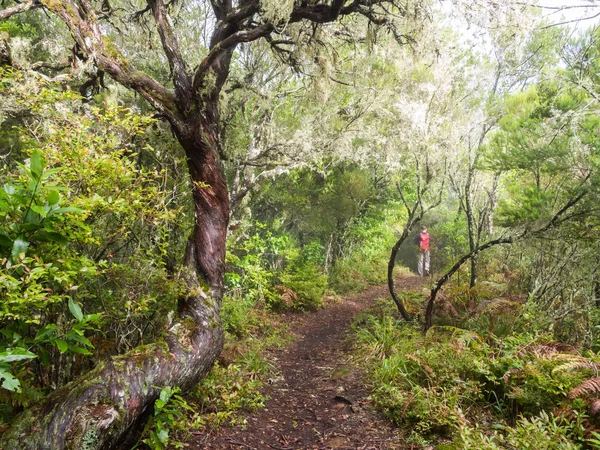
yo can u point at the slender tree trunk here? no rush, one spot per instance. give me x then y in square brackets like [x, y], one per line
[391, 265]
[100, 409]
[597, 291]
[471, 225]
[473, 278]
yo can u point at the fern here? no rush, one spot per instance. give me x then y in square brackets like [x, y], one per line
[421, 363]
[546, 349]
[589, 386]
[463, 337]
[576, 365]
[288, 296]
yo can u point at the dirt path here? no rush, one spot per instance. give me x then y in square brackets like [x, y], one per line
[318, 400]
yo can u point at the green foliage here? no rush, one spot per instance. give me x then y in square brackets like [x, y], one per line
[35, 224]
[422, 383]
[7, 357]
[445, 381]
[308, 282]
[227, 390]
[544, 432]
[86, 238]
[167, 428]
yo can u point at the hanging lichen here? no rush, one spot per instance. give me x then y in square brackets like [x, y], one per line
[276, 11]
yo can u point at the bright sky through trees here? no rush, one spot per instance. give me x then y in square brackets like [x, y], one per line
[580, 14]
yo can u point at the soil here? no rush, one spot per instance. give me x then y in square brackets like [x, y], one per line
[318, 398]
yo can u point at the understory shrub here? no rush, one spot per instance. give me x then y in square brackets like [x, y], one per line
[544, 432]
[308, 282]
[531, 391]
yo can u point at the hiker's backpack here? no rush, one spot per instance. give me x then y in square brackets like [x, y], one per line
[424, 241]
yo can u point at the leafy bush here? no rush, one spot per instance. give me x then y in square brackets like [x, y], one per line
[544, 432]
[308, 283]
[169, 426]
[84, 230]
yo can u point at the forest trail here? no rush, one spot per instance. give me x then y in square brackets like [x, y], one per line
[317, 398]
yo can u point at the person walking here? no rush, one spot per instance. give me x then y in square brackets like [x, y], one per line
[422, 240]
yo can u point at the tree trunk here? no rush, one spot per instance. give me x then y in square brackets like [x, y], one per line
[101, 408]
[391, 265]
[473, 279]
[471, 225]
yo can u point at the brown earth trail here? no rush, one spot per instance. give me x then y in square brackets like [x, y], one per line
[318, 399]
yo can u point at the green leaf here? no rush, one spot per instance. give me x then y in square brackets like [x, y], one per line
[19, 246]
[53, 198]
[80, 350]
[81, 339]
[165, 394]
[5, 241]
[40, 210]
[48, 331]
[10, 383]
[48, 173]
[31, 217]
[9, 189]
[49, 236]
[16, 354]
[36, 164]
[64, 210]
[75, 310]
[62, 345]
[163, 436]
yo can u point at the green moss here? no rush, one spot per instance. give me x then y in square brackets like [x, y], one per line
[60, 8]
[89, 440]
[115, 53]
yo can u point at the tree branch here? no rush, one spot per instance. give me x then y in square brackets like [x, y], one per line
[226, 44]
[19, 8]
[86, 31]
[553, 222]
[170, 45]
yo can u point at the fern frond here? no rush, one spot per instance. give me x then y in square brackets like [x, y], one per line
[546, 349]
[595, 407]
[288, 296]
[575, 365]
[569, 357]
[462, 335]
[589, 386]
[421, 363]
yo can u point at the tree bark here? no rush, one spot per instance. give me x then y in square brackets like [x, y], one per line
[391, 265]
[98, 410]
[471, 223]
